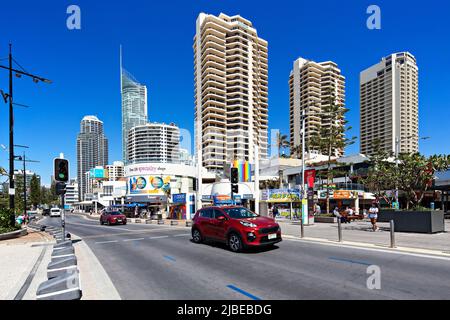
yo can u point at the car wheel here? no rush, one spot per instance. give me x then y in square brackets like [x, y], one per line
[197, 236]
[235, 242]
[101, 222]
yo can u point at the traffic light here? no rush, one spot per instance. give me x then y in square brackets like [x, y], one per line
[60, 188]
[235, 188]
[234, 175]
[61, 170]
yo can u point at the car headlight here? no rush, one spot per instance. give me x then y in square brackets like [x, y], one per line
[248, 224]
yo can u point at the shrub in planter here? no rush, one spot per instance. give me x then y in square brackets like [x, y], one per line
[5, 217]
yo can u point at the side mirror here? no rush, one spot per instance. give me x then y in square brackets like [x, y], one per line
[221, 218]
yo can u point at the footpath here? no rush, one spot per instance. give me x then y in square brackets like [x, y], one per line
[24, 261]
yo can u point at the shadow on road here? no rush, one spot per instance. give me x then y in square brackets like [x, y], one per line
[251, 250]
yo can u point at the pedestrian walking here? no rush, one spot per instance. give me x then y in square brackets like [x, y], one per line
[373, 216]
[274, 212]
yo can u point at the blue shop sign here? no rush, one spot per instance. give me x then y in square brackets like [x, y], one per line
[179, 198]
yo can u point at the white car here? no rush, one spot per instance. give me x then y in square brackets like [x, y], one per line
[55, 212]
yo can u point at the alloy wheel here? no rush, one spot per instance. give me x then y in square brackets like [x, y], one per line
[234, 243]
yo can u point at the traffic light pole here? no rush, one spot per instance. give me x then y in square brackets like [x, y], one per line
[63, 216]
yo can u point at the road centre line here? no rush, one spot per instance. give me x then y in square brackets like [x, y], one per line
[158, 237]
[102, 242]
[126, 240]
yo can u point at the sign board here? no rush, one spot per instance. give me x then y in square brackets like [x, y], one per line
[98, 173]
[283, 195]
[154, 185]
[179, 198]
[222, 200]
[310, 177]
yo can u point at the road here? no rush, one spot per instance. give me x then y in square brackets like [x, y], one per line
[161, 262]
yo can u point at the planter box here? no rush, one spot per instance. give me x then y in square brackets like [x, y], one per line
[414, 221]
[325, 219]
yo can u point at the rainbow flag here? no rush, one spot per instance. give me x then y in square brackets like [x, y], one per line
[244, 169]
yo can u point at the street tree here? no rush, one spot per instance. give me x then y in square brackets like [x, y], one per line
[35, 191]
[382, 175]
[416, 174]
[282, 142]
[331, 138]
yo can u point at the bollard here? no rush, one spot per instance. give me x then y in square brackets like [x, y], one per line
[302, 229]
[392, 234]
[339, 229]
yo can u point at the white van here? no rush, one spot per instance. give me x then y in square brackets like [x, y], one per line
[55, 212]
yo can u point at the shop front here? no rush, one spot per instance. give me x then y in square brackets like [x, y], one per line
[182, 206]
[287, 201]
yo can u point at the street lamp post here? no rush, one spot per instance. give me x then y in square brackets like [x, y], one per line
[9, 96]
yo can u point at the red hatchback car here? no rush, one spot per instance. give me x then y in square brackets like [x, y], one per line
[113, 217]
[236, 226]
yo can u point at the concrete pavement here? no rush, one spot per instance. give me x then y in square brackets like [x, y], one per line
[160, 262]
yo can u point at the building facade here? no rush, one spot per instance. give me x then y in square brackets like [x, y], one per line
[92, 150]
[115, 171]
[154, 143]
[134, 105]
[231, 96]
[389, 98]
[312, 87]
[71, 196]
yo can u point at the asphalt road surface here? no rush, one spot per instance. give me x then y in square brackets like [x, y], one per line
[161, 262]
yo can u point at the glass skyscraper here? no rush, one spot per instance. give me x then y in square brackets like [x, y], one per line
[134, 105]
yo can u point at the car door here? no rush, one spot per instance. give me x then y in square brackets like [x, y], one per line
[205, 222]
[219, 226]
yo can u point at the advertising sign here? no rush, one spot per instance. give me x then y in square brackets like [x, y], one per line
[154, 185]
[342, 194]
[98, 173]
[310, 177]
[179, 198]
[284, 195]
[222, 200]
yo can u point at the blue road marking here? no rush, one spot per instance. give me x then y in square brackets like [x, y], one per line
[245, 293]
[350, 261]
[169, 258]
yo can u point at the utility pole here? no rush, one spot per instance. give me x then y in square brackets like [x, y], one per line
[36, 79]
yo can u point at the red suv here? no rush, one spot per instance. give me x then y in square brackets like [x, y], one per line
[236, 226]
[112, 217]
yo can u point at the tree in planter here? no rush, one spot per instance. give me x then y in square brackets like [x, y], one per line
[416, 174]
[35, 191]
[331, 136]
[382, 174]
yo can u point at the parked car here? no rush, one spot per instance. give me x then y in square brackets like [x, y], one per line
[112, 217]
[46, 212]
[236, 226]
[55, 212]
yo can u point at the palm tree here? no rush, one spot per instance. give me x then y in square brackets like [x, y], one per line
[282, 142]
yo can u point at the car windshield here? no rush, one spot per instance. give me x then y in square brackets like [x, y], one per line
[239, 213]
[115, 213]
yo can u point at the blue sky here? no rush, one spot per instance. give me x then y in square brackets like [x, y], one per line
[157, 41]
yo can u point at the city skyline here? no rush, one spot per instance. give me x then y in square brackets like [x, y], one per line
[106, 104]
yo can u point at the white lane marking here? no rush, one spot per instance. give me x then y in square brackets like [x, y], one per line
[125, 240]
[101, 242]
[430, 256]
[182, 235]
[159, 237]
[99, 226]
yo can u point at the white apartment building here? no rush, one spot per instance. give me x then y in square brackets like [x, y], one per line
[154, 143]
[71, 196]
[231, 97]
[389, 98]
[115, 170]
[312, 86]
